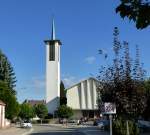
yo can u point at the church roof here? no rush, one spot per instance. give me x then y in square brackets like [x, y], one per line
[53, 36]
[82, 81]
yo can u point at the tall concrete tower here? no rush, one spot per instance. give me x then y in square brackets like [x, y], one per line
[52, 72]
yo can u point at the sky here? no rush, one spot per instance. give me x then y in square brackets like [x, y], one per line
[83, 26]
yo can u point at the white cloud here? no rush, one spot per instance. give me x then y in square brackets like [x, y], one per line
[90, 60]
[70, 80]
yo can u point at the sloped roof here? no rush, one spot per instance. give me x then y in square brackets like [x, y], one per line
[35, 102]
[2, 103]
[82, 81]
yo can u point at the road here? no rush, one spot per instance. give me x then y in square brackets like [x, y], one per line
[52, 130]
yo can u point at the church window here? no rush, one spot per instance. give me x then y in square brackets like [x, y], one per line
[52, 53]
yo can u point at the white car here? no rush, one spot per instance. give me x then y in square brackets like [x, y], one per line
[26, 124]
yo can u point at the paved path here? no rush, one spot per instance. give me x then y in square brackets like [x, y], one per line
[15, 131]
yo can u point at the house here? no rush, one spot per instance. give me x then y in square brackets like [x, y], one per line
[2, 114]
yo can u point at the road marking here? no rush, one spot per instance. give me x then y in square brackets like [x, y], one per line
[26, 133]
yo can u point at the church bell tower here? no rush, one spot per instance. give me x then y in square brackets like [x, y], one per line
[52, 72]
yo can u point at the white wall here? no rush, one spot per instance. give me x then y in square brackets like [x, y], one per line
[53, 79]
[2, 116]
[82, 96]
[73, 97]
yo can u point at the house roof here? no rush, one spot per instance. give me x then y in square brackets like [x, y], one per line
[2, 103]
[35, 102]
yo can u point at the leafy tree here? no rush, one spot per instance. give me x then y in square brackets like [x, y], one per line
[122, 82]
[136, 10]
[63, 99]
[41, 111]
[12, 106]
[62, 90]
[65, 111]
[7, 73]
[26, 111]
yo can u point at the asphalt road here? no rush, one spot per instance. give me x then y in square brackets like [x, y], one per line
[51, 130]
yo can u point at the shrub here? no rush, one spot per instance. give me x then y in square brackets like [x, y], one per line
[64, 111]
[120, 127]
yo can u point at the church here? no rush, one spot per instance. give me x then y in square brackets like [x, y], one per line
[81, 97]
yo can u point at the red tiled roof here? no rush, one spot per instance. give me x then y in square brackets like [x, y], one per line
[35, 102]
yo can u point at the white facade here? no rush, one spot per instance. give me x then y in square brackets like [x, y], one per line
[2, 114]
[83, 96]
[52, 73]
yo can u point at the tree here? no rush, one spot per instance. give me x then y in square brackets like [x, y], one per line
[41, 111]
[12, 106]
[26, 111]
[63, 99]
[7, 73]
[121, 82]
[147, 109]
[65, 111]
[135, 10]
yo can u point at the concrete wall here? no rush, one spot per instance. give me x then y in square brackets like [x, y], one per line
[77, 114]
[2, 116]
[83, 95]
[53, 79]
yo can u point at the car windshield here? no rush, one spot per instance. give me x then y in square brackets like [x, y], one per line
[26, 121]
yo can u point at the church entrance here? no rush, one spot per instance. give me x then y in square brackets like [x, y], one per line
[91, 114]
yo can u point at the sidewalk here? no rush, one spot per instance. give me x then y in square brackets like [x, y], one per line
[14, 130]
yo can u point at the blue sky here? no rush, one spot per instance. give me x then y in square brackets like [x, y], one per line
[83, 26]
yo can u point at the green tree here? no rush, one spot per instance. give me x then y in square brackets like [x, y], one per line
[136, 10]
[121, 82]
[63, 99]
[65, 111]
[26, 111]
[7, 74]
[12, 106]
[41, 111]
[62, 90]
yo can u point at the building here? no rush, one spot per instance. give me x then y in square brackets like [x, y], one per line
[2, 114]
[52, 72]
[82, 98]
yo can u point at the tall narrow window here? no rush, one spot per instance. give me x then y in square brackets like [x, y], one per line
[52, 53]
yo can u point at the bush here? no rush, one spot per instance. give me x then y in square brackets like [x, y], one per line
[44, 121]
[64, 111]
[48, 116]
[120, 127]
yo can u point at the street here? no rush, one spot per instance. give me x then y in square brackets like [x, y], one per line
[52, 130]
[55, 130]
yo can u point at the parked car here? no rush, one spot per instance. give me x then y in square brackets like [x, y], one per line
[63, 121]
[26, 124]
[144, 126]
[102, 124]
[72, 121]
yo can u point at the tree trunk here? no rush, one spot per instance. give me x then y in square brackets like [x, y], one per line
[128, 133]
